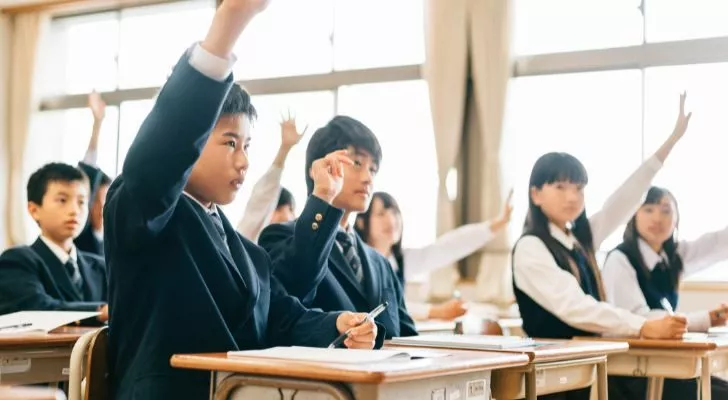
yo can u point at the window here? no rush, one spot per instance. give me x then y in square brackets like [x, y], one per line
[398, 113]
[685, 19]
[594, 116]
[133, 114]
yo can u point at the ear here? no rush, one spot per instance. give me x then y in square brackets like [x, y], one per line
[33, 210]
[360, 222]
[535, 194]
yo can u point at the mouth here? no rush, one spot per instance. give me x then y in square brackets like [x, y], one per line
[236, 183]
[71, 223]
[363, 193]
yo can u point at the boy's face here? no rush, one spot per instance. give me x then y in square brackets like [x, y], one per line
[63, 211]
[220, 171]
[356, 193]
[282, 214]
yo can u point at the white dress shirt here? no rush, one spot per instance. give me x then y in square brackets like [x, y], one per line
[623, 289]
[536, 273]
[447, 249]
[262, 203]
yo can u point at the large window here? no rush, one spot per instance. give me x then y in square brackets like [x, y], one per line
[296, 56]
[605, 87]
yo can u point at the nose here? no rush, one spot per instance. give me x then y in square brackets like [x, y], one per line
[241, 160]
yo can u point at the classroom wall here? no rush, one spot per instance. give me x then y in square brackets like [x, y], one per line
[4, 78]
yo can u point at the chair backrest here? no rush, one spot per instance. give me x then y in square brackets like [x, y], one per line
[97, 373]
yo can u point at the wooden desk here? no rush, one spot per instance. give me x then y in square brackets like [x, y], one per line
[678, 359]
[512, 326]
[29, 358]
[21, 393]
[452, 376]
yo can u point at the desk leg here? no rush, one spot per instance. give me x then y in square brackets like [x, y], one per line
[654, 388]
[705, 378]
[602, 380]
[531, 393]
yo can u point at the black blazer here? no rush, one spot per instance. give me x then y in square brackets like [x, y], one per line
[33, 278]
[174, 286]
[312, 267]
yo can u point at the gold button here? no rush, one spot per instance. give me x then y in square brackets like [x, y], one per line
[314, 226]
[319, 217]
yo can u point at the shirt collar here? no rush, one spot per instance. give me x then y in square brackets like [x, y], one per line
[565, 238]
[650, 256]
[63, 257]
[209, 210]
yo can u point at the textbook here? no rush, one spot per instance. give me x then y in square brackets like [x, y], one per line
[40, 321]
[339, 356]
[466, 342]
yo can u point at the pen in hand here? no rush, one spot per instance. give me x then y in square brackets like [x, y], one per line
[667, 306]
[373, 314]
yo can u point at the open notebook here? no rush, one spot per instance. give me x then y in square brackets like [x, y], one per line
[469, 342]
[40, 321]
[339, 356]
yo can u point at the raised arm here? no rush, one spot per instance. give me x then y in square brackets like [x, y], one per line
[620, 206]
[704, 251]
[98, 108]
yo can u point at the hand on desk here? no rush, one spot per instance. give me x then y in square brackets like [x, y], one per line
[718, 316]
[448, 310]
[667, 327]
[360, 337]
[104, 310]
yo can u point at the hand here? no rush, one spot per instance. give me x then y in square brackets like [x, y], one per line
[97, 106]
[328, 174]
[448, 310]
[104, 310]
[667, 327]
[681, 125]
[289, 134]
[718, 316]
[505, 216]
[360, 337]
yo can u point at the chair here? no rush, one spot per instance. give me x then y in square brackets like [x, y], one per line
[89, 378]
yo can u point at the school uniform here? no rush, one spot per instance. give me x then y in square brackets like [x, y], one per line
[552, 302]
[639, 289]
[89, 240]
[43, 276]
[330, 268]
[262, 203]
[181, 279]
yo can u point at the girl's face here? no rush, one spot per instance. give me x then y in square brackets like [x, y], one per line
[385, 224]
[562, 202]
[656, 222]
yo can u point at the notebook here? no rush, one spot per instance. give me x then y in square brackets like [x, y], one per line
[338, 356]
[40, 321]
[468, 342]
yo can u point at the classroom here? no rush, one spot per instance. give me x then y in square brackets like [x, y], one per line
[380, 199]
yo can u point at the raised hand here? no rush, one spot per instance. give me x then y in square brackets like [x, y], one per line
[289, 133]
[328, 174]
[97, 106]
[681, 125]
[505, 216]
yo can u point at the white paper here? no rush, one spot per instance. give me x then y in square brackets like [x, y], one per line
[315, 354]
[40, 321]
[465, 341]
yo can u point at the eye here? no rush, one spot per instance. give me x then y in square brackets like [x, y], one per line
[62, 200]
[231, 143]
[246, 147]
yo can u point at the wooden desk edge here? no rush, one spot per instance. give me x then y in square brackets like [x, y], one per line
[656, 344]
[316, 371]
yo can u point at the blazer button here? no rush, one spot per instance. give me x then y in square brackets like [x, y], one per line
[318, 217]
[314, 226]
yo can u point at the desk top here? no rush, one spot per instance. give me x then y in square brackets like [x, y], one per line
[701, 344]
[458, 361]
[29, 393]
[558, 350]
[61, 337]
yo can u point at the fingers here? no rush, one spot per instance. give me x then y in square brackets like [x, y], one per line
[304, 130]
[362, 337]
[509, 199]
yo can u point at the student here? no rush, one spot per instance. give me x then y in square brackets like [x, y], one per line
[381, 227]
[267, 192]
[181, 279]
[556, 280]
[647, 267]
[52, 274]
[319, 258]
[91, 239]
[285, 209]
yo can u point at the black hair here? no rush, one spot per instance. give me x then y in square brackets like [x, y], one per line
[561, 167]
[286, 199]
[389, 203]
[238, 102]
[52, 172]
[631, 236]
[340, 133]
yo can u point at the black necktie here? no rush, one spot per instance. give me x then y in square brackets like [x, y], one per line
[74, 274]
[217, 221]
[349, 250]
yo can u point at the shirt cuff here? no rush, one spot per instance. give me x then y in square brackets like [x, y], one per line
[634, 324]
[210, 65]
[698, 321]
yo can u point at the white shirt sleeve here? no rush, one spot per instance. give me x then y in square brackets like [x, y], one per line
[419, 311]
[536, 273]
[623, 290]
[91, 157]
[447, 249]
[703, 252]
[262, 203]
[211, 65]
[623, 203]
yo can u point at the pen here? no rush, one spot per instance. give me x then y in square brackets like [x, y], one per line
[667, 306]
[456, 294]
[24, 325]
[373, 314]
